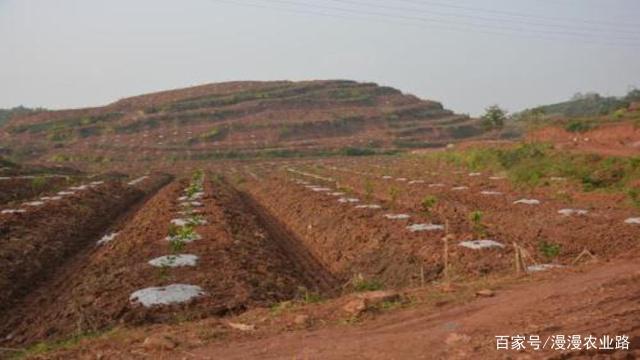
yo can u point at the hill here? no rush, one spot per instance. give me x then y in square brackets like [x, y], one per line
[238, 120]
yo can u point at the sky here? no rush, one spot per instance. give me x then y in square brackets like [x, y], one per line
[467, 54]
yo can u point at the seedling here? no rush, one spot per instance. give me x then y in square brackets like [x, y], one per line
[368, 190]
[394, 192]
[479, 229]
[428, 203]
[549, 250]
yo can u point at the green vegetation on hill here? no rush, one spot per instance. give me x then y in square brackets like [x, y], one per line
[535, 164]
[580, 106]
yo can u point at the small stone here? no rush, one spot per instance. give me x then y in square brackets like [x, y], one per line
[355, 307]
[301, 319]
[159, 342]
[454, 338]
[241, 327]
[375, 298]
[485, 293]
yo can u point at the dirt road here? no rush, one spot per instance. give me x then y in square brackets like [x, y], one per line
[605, 299]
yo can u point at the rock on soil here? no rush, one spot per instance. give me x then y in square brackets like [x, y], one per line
[481, 244]
[166, 295]
[485, 293]
[369, 300]
[174, 260]
[425, 227]
[241, 327]
[159, 342]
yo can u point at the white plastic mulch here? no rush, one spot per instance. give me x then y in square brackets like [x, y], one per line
[527, 202]
[436, 185]
[107, 238]
[66, 193]
[387, 177]
[13, 211]
[320, 189]
[191, 203]
[460, 188]
[184, 222]
[634, 221]
[416, 182]
[348, 200]
[401, 179]
[79, 188]
[51, 198]
[475, 174]
[490, 193]
[481, 244]
[174, 260]
[397, 216]
[425, 227]
[138, 180]
[370, 206]
[34, 203]
[166, 295]
[542, 267]
[336, 193]
[189, 239]
[569, 212]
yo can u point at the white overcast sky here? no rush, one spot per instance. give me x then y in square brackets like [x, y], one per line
[466, 54]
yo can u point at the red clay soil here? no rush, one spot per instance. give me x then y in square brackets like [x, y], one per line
[596, 300]
[602, 231]
[599, 302]
[35, 243]
[349, 241]
[241, 265]
[617, 139]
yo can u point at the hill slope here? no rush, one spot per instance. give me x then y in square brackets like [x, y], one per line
[238, 119]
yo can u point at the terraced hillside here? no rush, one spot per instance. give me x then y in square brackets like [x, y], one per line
[237, 120]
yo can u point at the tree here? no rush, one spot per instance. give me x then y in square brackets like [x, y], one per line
[494, 117]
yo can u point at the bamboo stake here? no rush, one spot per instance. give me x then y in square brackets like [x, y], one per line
[517, 260]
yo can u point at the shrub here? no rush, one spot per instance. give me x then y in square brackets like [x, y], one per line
[579, 126]
[494, 118]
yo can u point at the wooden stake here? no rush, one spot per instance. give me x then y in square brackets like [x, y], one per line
[583, 253]
[446, 258]
[518, 263]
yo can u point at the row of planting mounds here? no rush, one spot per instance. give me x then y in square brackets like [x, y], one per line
[538, 228]
[238, 266]
[33, 244]
[20, 188]
[351, 242]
